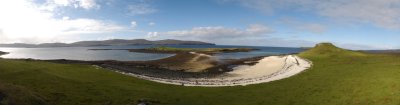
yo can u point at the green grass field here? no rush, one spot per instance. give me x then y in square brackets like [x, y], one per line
[337, 77]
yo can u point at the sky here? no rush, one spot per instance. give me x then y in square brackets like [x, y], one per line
[352, 24]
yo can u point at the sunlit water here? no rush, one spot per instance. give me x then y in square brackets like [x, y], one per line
[83, 53]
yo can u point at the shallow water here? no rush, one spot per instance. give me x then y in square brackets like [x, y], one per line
[83, 53]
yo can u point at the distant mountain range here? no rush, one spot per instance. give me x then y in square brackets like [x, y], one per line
[113, 42]
[383, 51]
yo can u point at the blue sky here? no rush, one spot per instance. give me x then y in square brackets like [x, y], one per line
[353, 24]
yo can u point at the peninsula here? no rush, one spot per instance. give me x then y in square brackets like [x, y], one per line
[188, 59]
[3, 53]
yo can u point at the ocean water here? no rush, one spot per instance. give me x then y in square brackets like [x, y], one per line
[83, 53]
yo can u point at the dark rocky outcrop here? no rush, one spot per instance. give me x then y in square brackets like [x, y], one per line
[2, 53]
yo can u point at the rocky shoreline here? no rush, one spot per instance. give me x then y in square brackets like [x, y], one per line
[3, 53]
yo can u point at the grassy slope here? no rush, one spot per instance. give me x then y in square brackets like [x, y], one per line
[338, 77]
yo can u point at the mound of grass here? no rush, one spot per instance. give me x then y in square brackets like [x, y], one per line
[17, 95]
[337, 78]
[329, 50]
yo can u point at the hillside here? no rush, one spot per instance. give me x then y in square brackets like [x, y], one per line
[112, 42]
[329, 50]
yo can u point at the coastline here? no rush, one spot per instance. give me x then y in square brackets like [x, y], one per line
[238, 72]
[160, 68]
[286, 66]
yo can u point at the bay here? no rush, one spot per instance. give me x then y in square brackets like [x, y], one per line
[83, 53]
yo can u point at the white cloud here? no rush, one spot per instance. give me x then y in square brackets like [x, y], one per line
[266, 6]
[257, 29]
[152, 34]
[63, 2]
[302, 26]
[133, 24]
[381, 13]
[65, 18]
[3, 37]
[218, 34]
[25, 21]
[314, 28]
[141, 8]
[79, 26]
[269, 41]
[222, 32]
[86, 4]
[152, 24]
[358, 46]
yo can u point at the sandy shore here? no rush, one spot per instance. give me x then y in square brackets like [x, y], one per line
[267, 69]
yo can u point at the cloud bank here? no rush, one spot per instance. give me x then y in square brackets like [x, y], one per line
[212, 32]
[86, 4]
[141, 7]
[381, 13]
[25, 21]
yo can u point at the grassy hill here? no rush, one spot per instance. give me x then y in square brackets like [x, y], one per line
[329, 50]
[338, 77]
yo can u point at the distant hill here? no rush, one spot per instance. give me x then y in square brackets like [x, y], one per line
[329, 50]
[112, 42]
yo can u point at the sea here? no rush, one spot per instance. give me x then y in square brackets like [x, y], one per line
[85, 54]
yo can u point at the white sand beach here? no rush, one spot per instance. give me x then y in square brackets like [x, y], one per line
[267, 69]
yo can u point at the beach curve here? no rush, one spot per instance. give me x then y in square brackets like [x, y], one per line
[268, 69]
